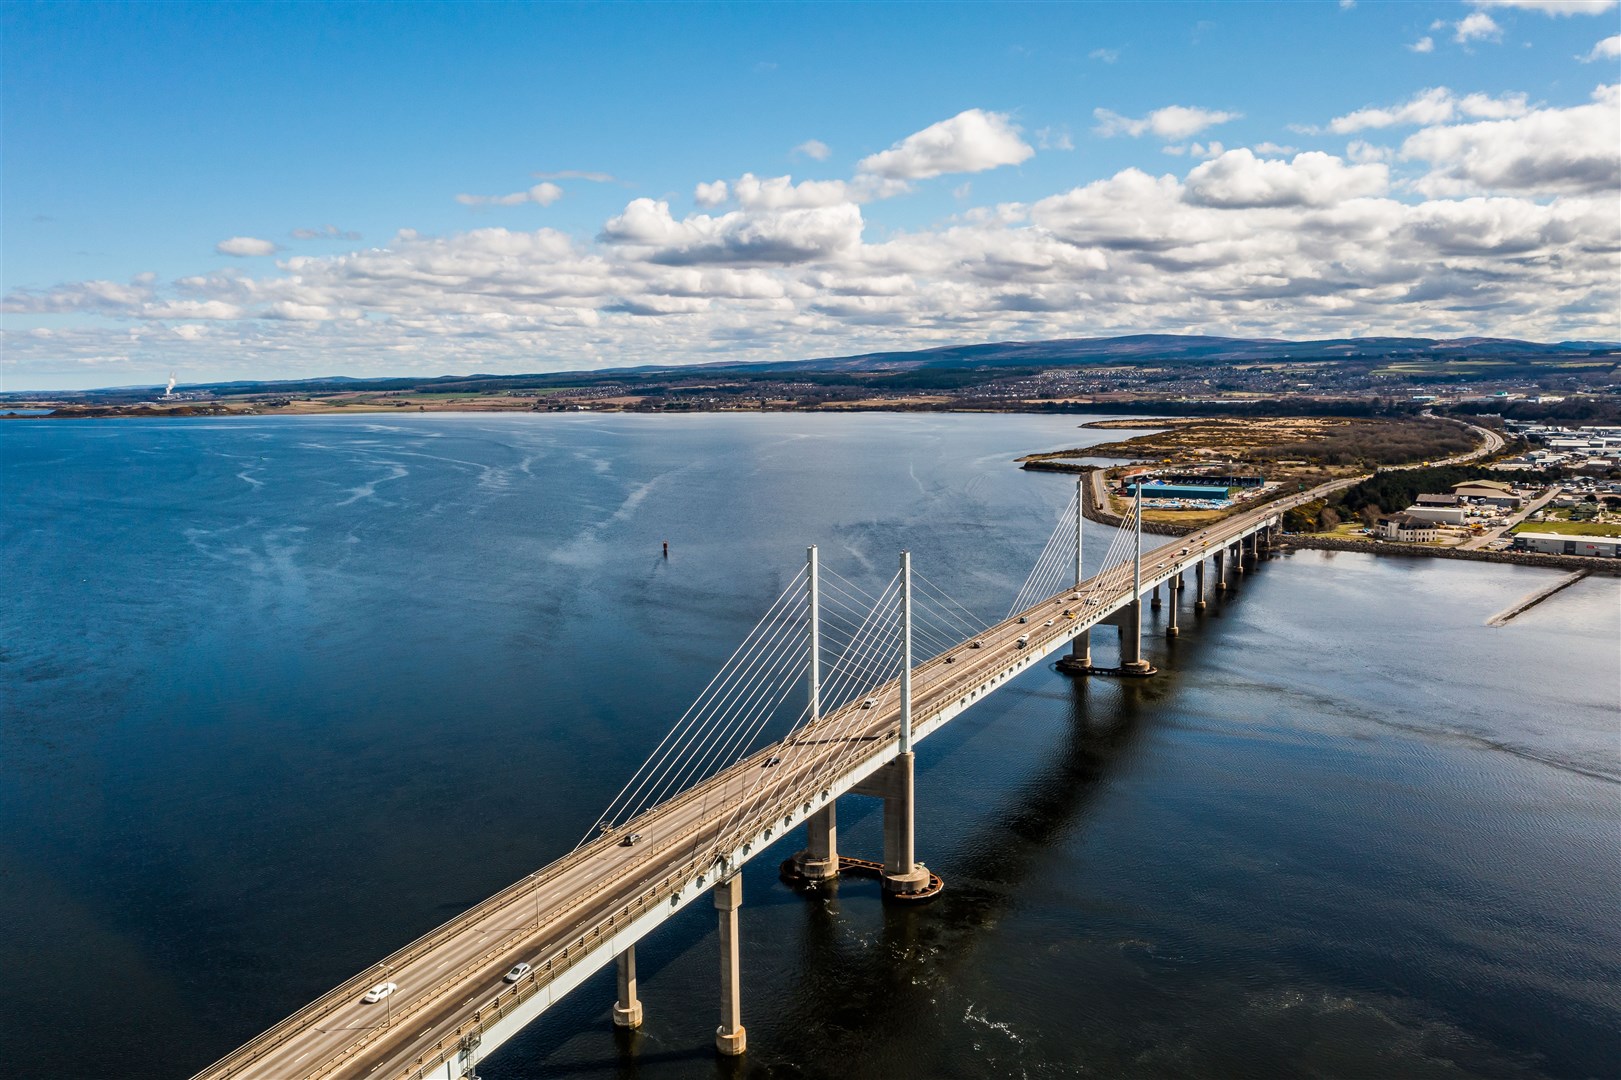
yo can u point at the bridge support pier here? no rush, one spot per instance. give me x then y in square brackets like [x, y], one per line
[902, 872]
[1238, 558]
[1079, 660]
[628, 1009]
[730, 1037]
[1175, 587]
[1221, 571]
[820, 859]
[1198, 586]
[1131, 640]
[1155, 603]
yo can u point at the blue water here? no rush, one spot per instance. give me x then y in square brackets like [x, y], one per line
[280, 694]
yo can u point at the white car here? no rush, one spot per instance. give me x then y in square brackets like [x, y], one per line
[518, 971]
[379, 992]
[869, 703]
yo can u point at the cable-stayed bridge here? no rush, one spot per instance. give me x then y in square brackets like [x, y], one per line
[825, 696]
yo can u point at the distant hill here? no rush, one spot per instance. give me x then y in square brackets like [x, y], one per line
[1159, 349]
[1137, 350]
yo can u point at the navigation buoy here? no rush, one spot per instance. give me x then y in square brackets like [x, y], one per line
[666, 549]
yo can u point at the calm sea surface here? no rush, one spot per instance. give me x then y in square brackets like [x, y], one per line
[280, 695]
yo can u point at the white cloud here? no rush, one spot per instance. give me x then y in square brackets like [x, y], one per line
[1486, 107]
[1272, 149]
[1425, 44]
[1476, 26]
[1363, 153]
[1107, 56]
[244, 246]
[1054, 138]
[1608, 49]
[1238, 178]
[1551, 7]
[1543, 151]
[1436, 105]
[813, 148]
[544, 193]
[324, 232]
[710, 194]
[740, 238]
[781, 193]
[971, 141]
[1347, 5]
[1171, 122]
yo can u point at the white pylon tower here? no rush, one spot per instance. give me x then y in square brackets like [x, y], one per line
[1080, 514]
[1137, 562]
[906, 652]
[814, 570]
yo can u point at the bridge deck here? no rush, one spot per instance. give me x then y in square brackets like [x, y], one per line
[603, 895]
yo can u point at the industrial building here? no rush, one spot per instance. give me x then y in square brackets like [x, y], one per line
[1442, 515]
[1560, 544]
[1492, 491]
[1208, 492]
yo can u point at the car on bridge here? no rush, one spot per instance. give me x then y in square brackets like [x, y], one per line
[379, 992]
[518, 971]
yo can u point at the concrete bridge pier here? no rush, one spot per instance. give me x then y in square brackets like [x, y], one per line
[1175, 587]
[1198, 585]
[1221, 571]
[730, 1037]
[893, 783]
[902, 872]
[1131, 640]
[1079, 660]
[628, 1009]
[1238, 558]
[820, 859]
[1155, 604]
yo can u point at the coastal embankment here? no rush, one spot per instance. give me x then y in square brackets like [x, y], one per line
[1591, 563]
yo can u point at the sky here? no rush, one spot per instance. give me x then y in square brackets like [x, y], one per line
[270, 191]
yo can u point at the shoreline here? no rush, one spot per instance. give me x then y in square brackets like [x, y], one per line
[1595, 564]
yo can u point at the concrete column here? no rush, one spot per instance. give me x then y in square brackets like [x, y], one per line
[628, 1009]
[1221, 571]
[1155, 603]
[1131, 640]
[1079, 660]
[1238, 558]
[1176, 587]
[730, 1037]
[1198, 585]
[820, 859]
[902, 874]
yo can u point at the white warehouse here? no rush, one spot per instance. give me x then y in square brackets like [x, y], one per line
[1560, 544]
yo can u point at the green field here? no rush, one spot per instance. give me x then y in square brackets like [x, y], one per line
[1570, 528]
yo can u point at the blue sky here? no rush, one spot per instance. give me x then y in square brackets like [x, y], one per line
[282, 190]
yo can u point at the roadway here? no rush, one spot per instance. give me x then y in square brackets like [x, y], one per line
[455, 972]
